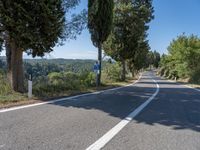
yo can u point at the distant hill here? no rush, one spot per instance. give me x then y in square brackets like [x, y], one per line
[42, 67]
[59, 61]
[55, 61]
[62, 62]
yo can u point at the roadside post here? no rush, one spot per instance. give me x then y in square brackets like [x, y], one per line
[96, 71]
[30, 87]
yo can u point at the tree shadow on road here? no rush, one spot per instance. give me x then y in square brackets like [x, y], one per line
[176, 107]
[181, 113]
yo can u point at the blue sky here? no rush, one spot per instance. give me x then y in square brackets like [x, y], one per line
[172, 18]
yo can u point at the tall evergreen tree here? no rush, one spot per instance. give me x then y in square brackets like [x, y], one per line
[156, 59]
[100, 17]
[183, 58]
[139, 60]
[34, 27]
[129, 29]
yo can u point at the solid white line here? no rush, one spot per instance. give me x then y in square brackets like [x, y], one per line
[64, 99]
[184, 85]
[99, 144]
[192, 88]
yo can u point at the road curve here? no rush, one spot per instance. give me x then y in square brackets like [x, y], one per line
[170, 121]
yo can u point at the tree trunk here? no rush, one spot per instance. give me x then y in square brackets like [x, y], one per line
[133, 74]
[99, 62]
[15, 66]
[123, 75]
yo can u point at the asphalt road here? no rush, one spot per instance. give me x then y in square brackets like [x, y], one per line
[171, 121]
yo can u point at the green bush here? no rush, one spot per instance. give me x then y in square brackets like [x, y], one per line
[56, 78]
[5, 88]
[183, 58]
[58, 83]
[195, 76]
[166, 73]
[111, 72]
[161, 71]
[68, 79]
[88, 79]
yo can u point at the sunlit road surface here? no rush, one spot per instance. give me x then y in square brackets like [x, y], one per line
[169, 120]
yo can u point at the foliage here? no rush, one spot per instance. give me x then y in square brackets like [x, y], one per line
[55, 83]
[50, 83]
[137, 62]
[100, 18]
[7, 95]
[5, 88]
[111, 72]
[59, 75]
[129, 30]
[2, 64]
[1, 43]
[88, 79]
[35, 27]
[42, 67]
[153, 59]
[37, 30]
[64, 81]
[100, 15]
[183, 58]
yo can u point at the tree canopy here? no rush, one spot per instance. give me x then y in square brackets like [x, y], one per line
[100, 18]
[37, 26]
[100, 15]
[128, 35]
[34, 27]
[183, 58]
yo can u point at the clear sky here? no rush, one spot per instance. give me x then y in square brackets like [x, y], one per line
[172, 18]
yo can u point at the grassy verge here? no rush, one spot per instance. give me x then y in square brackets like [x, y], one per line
[16, 99]
[12, 98]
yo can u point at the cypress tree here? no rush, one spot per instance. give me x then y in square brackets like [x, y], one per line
[100, 17]
[129, 30]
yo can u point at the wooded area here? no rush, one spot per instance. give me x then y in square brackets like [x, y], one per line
[182, 60]
[119, 28]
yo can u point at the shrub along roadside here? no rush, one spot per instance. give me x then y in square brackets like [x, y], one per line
[182, 62]
[111, 73]
[5, 88]
[59, 84]
[6, 92]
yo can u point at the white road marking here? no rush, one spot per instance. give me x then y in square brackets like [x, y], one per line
[64, 99]
[192, 88]
[99, 144]
[185, 85]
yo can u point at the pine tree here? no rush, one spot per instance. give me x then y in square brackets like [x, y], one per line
[34, 27]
